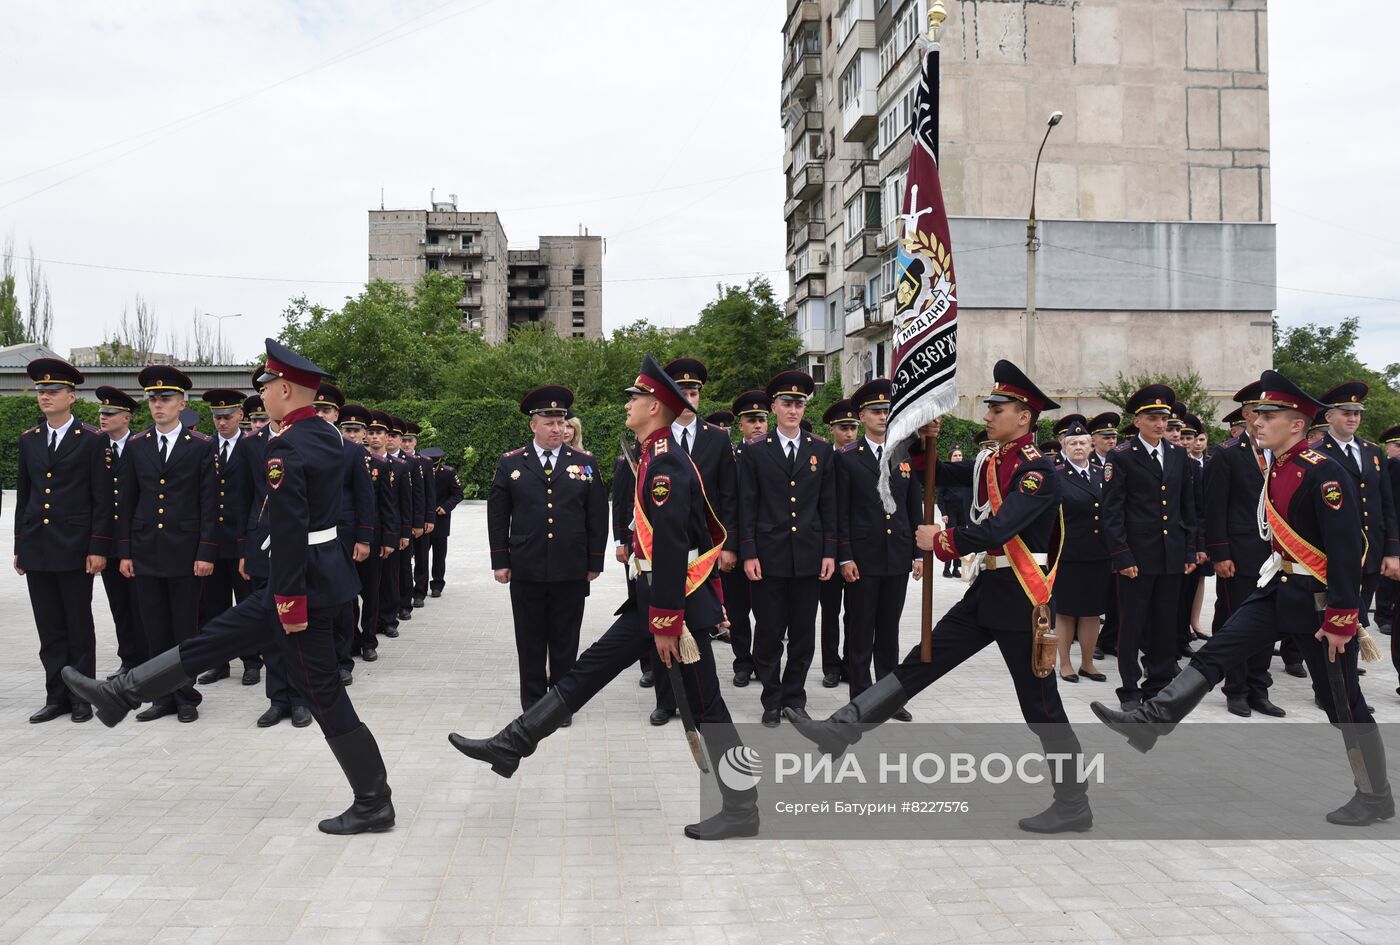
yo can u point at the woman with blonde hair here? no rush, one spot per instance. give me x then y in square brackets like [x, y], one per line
[573, 435]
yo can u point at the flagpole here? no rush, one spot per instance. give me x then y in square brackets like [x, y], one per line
[936, 15]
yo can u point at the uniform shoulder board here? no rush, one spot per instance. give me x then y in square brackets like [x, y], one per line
[138, 436]
[449, 469]
[1311, 456]
[818, 437]
[515, 452]
[35, 430]
[583, 453]
[197, 435]
[1030, 451]
[1123, 447]
[849, 447]
[660, 446]
[89, 428]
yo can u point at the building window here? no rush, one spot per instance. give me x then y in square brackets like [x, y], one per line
[816, 366]
[432, 239]
[578, 319]
[578, 296]
[434, 263]
[851, 82]
[887, 274]
[578, 276]
[897, 118]
[578, 334]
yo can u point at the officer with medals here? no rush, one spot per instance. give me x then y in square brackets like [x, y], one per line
[1310, 590]
[447, 492]
[713, 454]
[115, 410]
[843, 429]
[1149, 518]
[226, 586]
[751, 417]
[547, 521]
[1363, 460]
[787, 497]
[875, 548]
[63, 531]
[678, 539]
[1015, 517]
[167, 527]
[312, 578]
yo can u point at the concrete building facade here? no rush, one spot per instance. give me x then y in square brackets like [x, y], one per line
[560, 283]
[1155, 252]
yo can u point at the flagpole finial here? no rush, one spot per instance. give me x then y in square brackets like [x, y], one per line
[936, 15]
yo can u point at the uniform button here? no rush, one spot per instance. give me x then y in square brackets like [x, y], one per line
[794, 528]
[162, 482]
[160, 524]
[889, 531]
[1096, 518]
[221, 518]
[1164, 501]
[160, 511]
[1096, 531]
[549, 492]
[114, 492]
[550, 522]
[792, 482]
[1096, 505]
[46, 521]
[46, 505]
[549, 505]
[220, 494]
[221, 505]
[1284, 579]
[1164, 518]
[794, 515]
[161, 496]
[48, 475]
[1164, 531]
[887, 518]
[550, 535]
[1164, 488]
[792, 498]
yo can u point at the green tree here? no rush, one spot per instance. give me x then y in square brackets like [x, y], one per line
[744, 338]
[1319, 357]
[1188, 388]
[12, 319]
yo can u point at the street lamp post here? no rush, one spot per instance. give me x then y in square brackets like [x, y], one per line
[219, 352]
[1032, 247]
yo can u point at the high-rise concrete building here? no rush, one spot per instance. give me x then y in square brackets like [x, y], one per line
[1155, 252]
[560, 283]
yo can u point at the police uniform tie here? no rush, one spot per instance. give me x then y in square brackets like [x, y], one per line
[549, 463]
[879, 451]
[1354, 456]
[223, 455]
[162, 448]
[1158, 457]
[685, 439]
[792, 454]
[53, 442]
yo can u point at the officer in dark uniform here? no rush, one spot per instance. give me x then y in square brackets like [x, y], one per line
[1103, 429]
[724, 419]
[1191, 583]
[423, 544]
[356, 526]
[712, 451]
[1149, 518]
[1313, 518]
[447, 492]
[63, 531]
[875, 548]
[1319, 427]
[167, 527]
[255, 413]
[787, 496]
[1015, 517]
[354, 421]
[843, 429]
[547, 521]
[751, 416]
[312, 580]
[226, 586]
[1084, 582]
[394, 479]
[114, 416]
[412, 476]
[677, 543]
[1234, 479]
[1363, 461]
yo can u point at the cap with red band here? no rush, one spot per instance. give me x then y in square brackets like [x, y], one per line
[651, 379]
[1011, 383]
[284, 364]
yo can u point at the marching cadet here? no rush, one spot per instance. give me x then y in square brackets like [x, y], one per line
[1234, 479]
[226, 587]
[355, 528]
[724, 419]
[1084, 581]
[1103, 433]
[843, 429]
[1015, 515]
[354, 422]
[787, 496]
[1188, 610]
[1362, 460]
[547, 521]
[712, 452]
[677, 542]
[313, 578]
[377, 438]
[1149, 518]
[423, 544]
[114, 415]
[1312, 517]
[447, 492]
[875, 548]
[167, 527]
[751, 416]
[63, 531]
[412, 476]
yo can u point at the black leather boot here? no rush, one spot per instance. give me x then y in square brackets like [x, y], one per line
[114, 698]
[842, 729]
[358, 754]
[1070, 810]
[517, 740]
[1158, 715]
[1367, 807]
[738, 815]
[729, 822]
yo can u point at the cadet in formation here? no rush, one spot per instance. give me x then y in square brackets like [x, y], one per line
[842, 429]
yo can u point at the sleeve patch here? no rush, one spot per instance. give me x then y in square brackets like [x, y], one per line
[275, 472]
[1332, 494]
[660, 489]
[1107, 472]
[1031, 483]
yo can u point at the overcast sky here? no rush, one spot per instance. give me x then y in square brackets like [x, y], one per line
[250, 139]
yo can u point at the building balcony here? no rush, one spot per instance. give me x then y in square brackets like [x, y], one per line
[527, 282]
[471, 275]
[807, 182]
[864, 175]
[863, 253]
[804, 234]
[793, 205]
[808, 287]
[801, 76]
[525, 303]
[451, 249]
[864, 322]
[810, 121]
[806, 11]
[811, 263]
[858, 116]
[469, 301]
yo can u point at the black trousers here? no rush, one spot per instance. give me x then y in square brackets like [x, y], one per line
[738, 600]
[308, 657]
[1254, 625]
[62, 604]
[389, 571]
[220, 591]
[784, 607]
[121, 597]
[1189, 583]
[1112, 619]
[405, 600]
[439, 570]
[1147, 606]
[371, 574]
[1249, 678]
[833, 655]
[873, 608]
[275, 682]
[421, 547]
[170, 615]
[1369, 582]
[548, 615]
[628, 641]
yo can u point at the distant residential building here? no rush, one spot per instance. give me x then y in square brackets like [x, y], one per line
[560, 283]
[113, 353]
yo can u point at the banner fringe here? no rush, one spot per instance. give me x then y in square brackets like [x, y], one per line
[904, 430]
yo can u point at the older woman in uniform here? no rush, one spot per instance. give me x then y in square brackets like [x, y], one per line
[1085, 580]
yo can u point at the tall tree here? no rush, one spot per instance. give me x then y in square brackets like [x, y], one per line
[744, 337]
[39, 320]
[1318, 357]
[11, 319]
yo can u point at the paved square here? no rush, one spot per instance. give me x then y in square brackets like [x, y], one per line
[206, 833]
